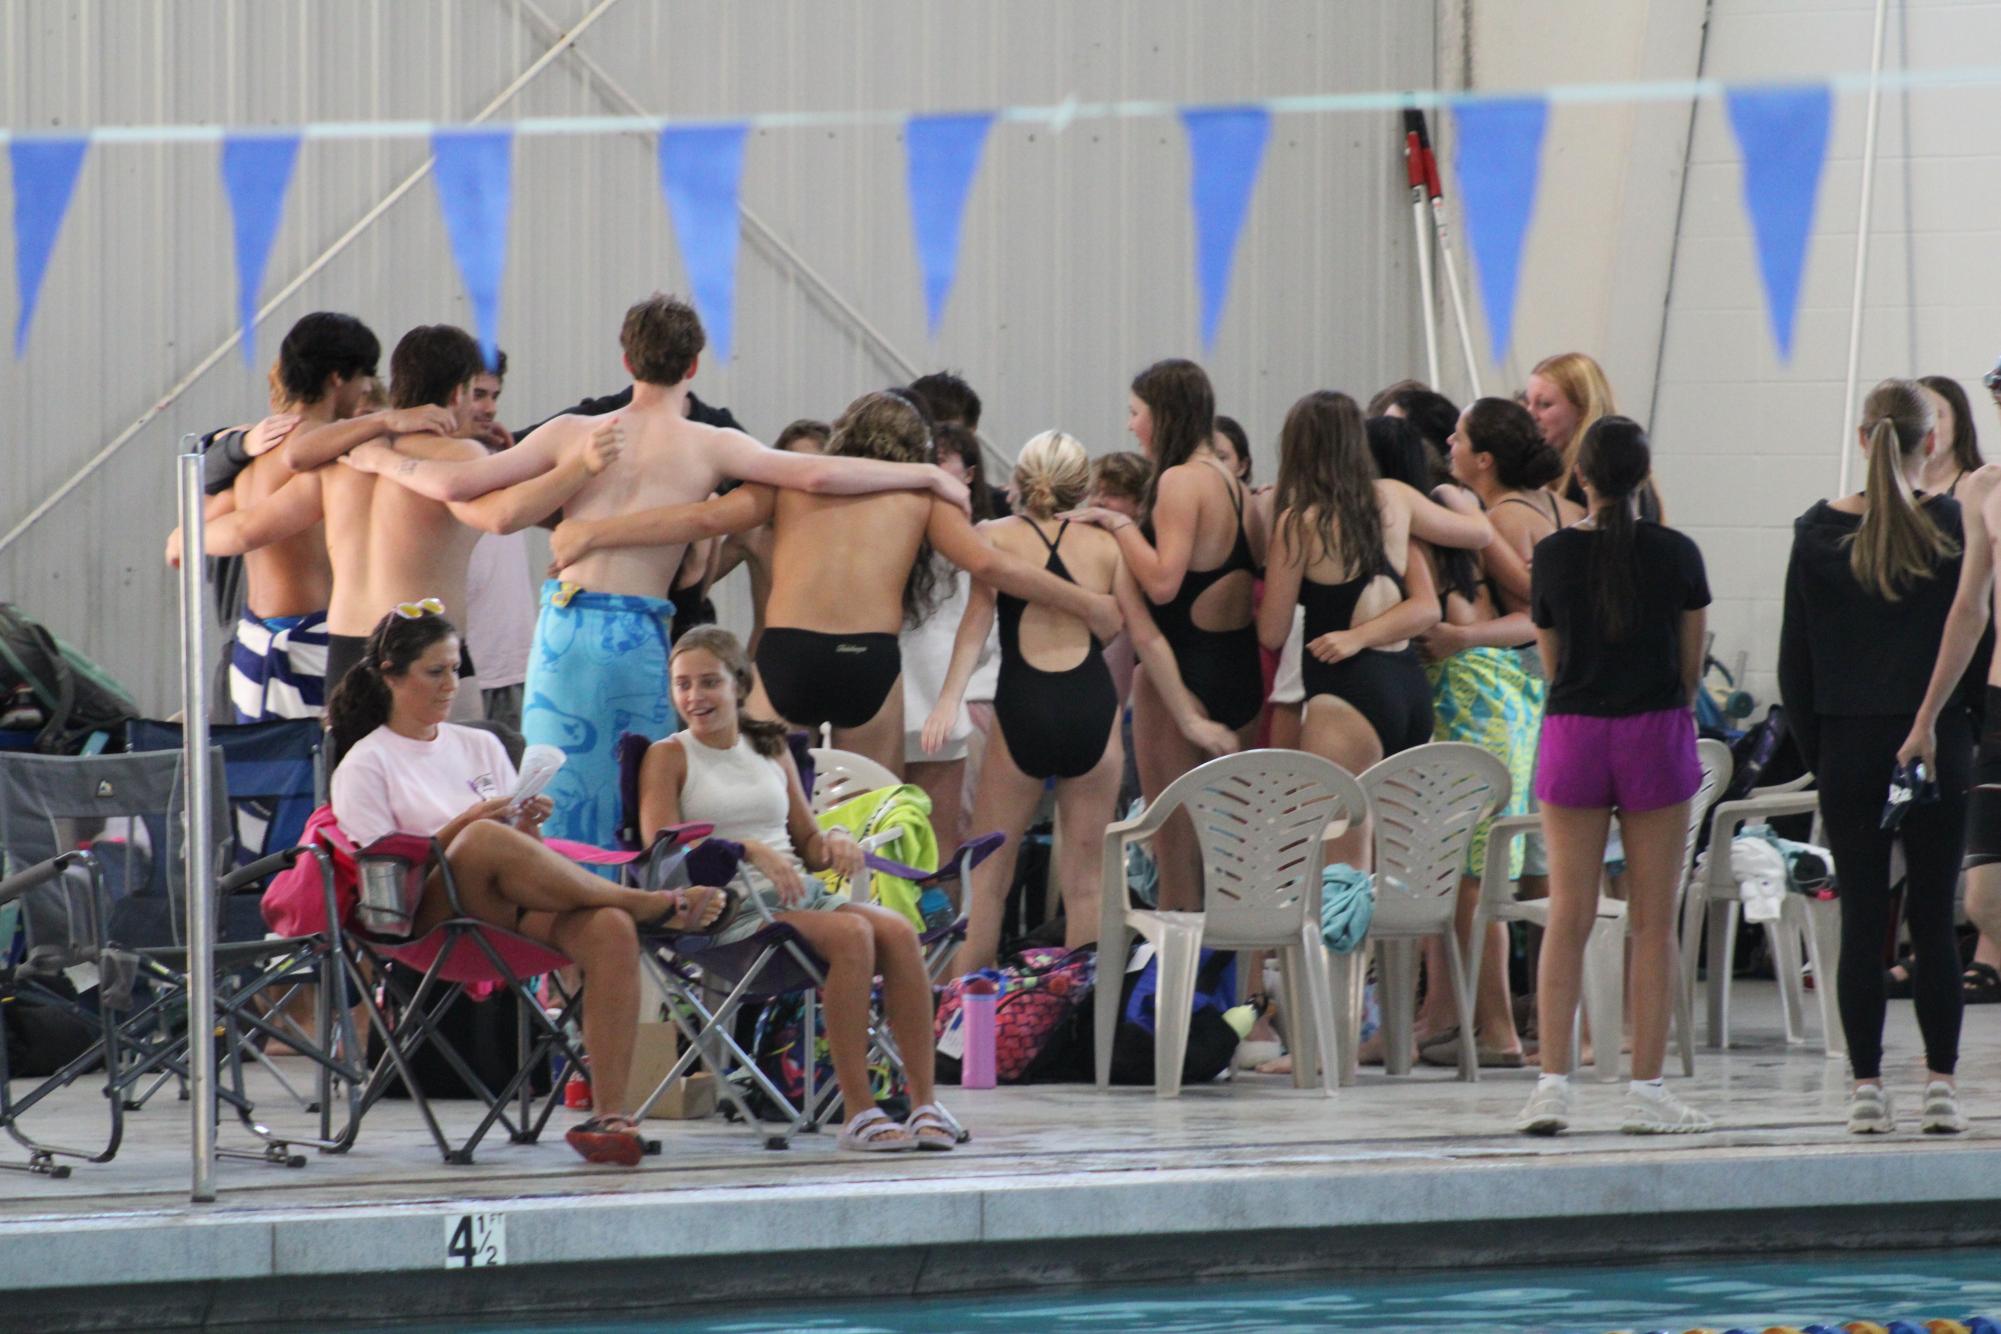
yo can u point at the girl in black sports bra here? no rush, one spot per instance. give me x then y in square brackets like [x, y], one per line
[1172, 413]
[1333, 510]
[1057, 722]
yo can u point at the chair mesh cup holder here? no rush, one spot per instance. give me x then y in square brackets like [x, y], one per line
[391, 888]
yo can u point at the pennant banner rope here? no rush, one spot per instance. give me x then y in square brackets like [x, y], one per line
[45, 173]
[1782, 134]
[1062, 114]
[701, 175]
[256, 169]
[941, 156]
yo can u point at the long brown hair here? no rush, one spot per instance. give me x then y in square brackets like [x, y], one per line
[1326, 499]
[1897, 544]
[1965, 442]
[1183, 406]
[888, 425]
[766, 737]
[360, 701]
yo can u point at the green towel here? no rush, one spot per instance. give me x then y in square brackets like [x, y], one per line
[907, 809]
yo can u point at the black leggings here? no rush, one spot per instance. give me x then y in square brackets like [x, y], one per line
[1857, 756]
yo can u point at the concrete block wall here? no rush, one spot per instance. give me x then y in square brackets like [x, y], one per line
[1746, 443]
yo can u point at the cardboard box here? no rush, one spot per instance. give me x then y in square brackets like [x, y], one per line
[655, 1048]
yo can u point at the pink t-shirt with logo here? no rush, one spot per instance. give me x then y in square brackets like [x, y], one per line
[393, 784]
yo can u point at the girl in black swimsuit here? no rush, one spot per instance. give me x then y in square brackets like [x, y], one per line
[1057, 722]
[1366, 695]
[1172, 413]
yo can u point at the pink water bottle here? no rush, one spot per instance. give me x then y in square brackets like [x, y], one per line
[977, 1003]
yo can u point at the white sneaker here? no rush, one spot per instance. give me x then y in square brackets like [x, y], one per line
[1662, 1113]
[1548, 1110]
[1941, 1114]
[1869, 1111]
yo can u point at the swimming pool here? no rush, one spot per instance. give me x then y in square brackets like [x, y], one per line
[1718, 1295]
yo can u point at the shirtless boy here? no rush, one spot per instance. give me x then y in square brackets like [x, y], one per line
[277, 667]
[401, 544]
[599, 665]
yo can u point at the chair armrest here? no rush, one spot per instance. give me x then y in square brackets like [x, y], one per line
[1496, 888]
[1731, 816]
[245, 877]
[21, 882]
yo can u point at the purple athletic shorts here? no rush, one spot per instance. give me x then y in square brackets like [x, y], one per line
[1641, 762]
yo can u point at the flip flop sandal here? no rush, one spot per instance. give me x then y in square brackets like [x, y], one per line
[607, 1139]
[658, 926]
[931, 1127]
[872, 1131]
[1980, 984]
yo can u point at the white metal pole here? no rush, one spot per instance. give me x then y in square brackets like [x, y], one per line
[1852, 385]
[1458, 297]
[1413, 158]
[197, 854]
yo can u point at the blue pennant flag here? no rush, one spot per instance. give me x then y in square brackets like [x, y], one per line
[45, 172]
[701, 173]
[1225, 147]
[941, 156]
[1499, 160]
[475, 187]
[1782, 133]
[256, 169]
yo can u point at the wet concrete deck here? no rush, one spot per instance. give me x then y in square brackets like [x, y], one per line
[1061, 1183]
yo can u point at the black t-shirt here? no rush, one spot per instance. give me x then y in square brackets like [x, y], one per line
[1641, 671]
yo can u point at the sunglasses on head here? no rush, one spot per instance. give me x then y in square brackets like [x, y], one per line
[415, 611]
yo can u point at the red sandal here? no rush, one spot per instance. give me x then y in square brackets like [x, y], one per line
[607, 1139]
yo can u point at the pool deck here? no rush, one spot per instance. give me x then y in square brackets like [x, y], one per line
[1060, 1184]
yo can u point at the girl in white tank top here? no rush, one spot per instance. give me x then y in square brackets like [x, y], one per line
[734, 773]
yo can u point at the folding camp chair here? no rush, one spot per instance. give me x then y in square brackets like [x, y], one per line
[74, 881]
[773, 962]
[126, 810]
[462, 951]
[274, 777]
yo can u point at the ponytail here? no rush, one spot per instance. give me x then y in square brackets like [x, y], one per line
[1897, 544]
[1615, 458]
[360, 701]
[1052, 474]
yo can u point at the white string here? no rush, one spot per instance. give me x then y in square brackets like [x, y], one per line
[1054, 116]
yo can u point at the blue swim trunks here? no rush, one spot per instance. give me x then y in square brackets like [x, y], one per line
[598, 669]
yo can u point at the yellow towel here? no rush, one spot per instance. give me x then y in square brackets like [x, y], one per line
[906, 809]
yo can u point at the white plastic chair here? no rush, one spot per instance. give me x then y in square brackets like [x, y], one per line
[1604, 976]
[1815, 922]
[1427, 802]
[1260, 818]
[841, 774]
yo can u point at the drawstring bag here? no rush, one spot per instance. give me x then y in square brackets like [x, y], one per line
[1347, 906]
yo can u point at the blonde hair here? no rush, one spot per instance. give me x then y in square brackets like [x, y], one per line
[1583, 382]
[1053, 474]
[1897, 544]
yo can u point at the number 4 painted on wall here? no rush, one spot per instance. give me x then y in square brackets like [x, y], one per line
[475, 1240]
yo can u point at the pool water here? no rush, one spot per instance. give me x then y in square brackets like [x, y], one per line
[1719, 1295]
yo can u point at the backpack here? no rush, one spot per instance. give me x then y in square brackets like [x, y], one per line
[1042, 989]
[777, 1050]
[42, 1033]
[60, 692]
[483, 1033]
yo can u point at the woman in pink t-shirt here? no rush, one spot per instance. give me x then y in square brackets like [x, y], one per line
[404, 769]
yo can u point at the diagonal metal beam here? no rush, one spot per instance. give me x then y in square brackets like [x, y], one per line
[561, 40]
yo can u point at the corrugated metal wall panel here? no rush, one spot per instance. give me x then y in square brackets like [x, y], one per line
[1076, 265]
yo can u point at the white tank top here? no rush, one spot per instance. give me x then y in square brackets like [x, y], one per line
[740, 792]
